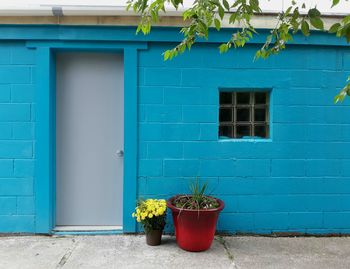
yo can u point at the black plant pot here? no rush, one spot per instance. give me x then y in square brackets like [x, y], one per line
[154, 237]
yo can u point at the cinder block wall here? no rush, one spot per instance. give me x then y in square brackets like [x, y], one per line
[17, 89]
[298, 181]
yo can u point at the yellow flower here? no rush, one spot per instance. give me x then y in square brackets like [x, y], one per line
[150, 215]
[138, 219]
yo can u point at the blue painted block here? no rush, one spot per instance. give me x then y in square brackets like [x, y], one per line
[23, 130]
[264, 203]
[345, 131]
[236, 222]
[256, 168]
[231, 201]
[289, 132]
[141, 113]
[150, 132]
[158, 187]
[336, 220]
[325, 132]
[192, 77]
[16, 186]
[33, 74]
[15, 74]
[345, 168]
[201, 150]
[148, 168]
[306, 220]
[16, 149]
[6, 168]
[33, 112]
[189, 168]
[24, 168]
[346, 60]
[190, 96]
[162, 76]
[15, 224]
[5, 93]
[271, 221]
[150, 95]
[23, 93]
[202, 114]
[5, 55]
[323, 168]
[165, 150]
[163, 113]
[218, 168]
[287, 168]
[7, 205]
[180, 132]
[142, 150]
[311, 79]
[5, 130]
[14, 112]
[25, 205]
[325, 150]
[209, 132]
[22, 55]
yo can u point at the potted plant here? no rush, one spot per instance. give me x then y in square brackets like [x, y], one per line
[151, 214]
[195, 217]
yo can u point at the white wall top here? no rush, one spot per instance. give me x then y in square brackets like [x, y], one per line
[269, 6]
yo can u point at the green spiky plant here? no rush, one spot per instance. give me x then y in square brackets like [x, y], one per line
[197, 200]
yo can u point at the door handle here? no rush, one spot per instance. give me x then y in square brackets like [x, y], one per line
[120, 153]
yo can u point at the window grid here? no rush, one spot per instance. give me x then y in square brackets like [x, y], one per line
[235, 127]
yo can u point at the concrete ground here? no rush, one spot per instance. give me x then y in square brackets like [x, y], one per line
[130, 251]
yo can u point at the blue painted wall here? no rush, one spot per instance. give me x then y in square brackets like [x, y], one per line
[298, 181]
[17, 126]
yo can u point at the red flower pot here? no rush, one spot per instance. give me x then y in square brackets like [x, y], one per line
[194, 229]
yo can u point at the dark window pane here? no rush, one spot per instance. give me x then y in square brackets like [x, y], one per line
[243, 130]
[260, 98]
[260, 131]
[243, 114]
[225, 98]
[226, 114]
[226, 131]
[243, 98]
[260, 114]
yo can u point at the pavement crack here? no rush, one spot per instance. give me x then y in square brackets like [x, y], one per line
[229, 254]
[66, 255]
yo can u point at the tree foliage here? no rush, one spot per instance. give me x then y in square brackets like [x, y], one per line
[206, 14]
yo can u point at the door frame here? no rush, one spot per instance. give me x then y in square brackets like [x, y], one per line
[45, 176]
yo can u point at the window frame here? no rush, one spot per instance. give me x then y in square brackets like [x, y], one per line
[233, 106]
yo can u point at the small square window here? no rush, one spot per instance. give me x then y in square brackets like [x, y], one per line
[226, 114]
[243, 98]
[226, 98]
[244, 114]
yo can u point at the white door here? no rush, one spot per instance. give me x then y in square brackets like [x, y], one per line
[89, 140]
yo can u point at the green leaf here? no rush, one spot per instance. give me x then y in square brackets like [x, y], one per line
[335, 2]
[317, 23]
[233, 17]
[314, 13]
[166, 55]
[334, 28]
[221, 12]
[305, 28]
[226, 5]
[217, 24]
[223, 48]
